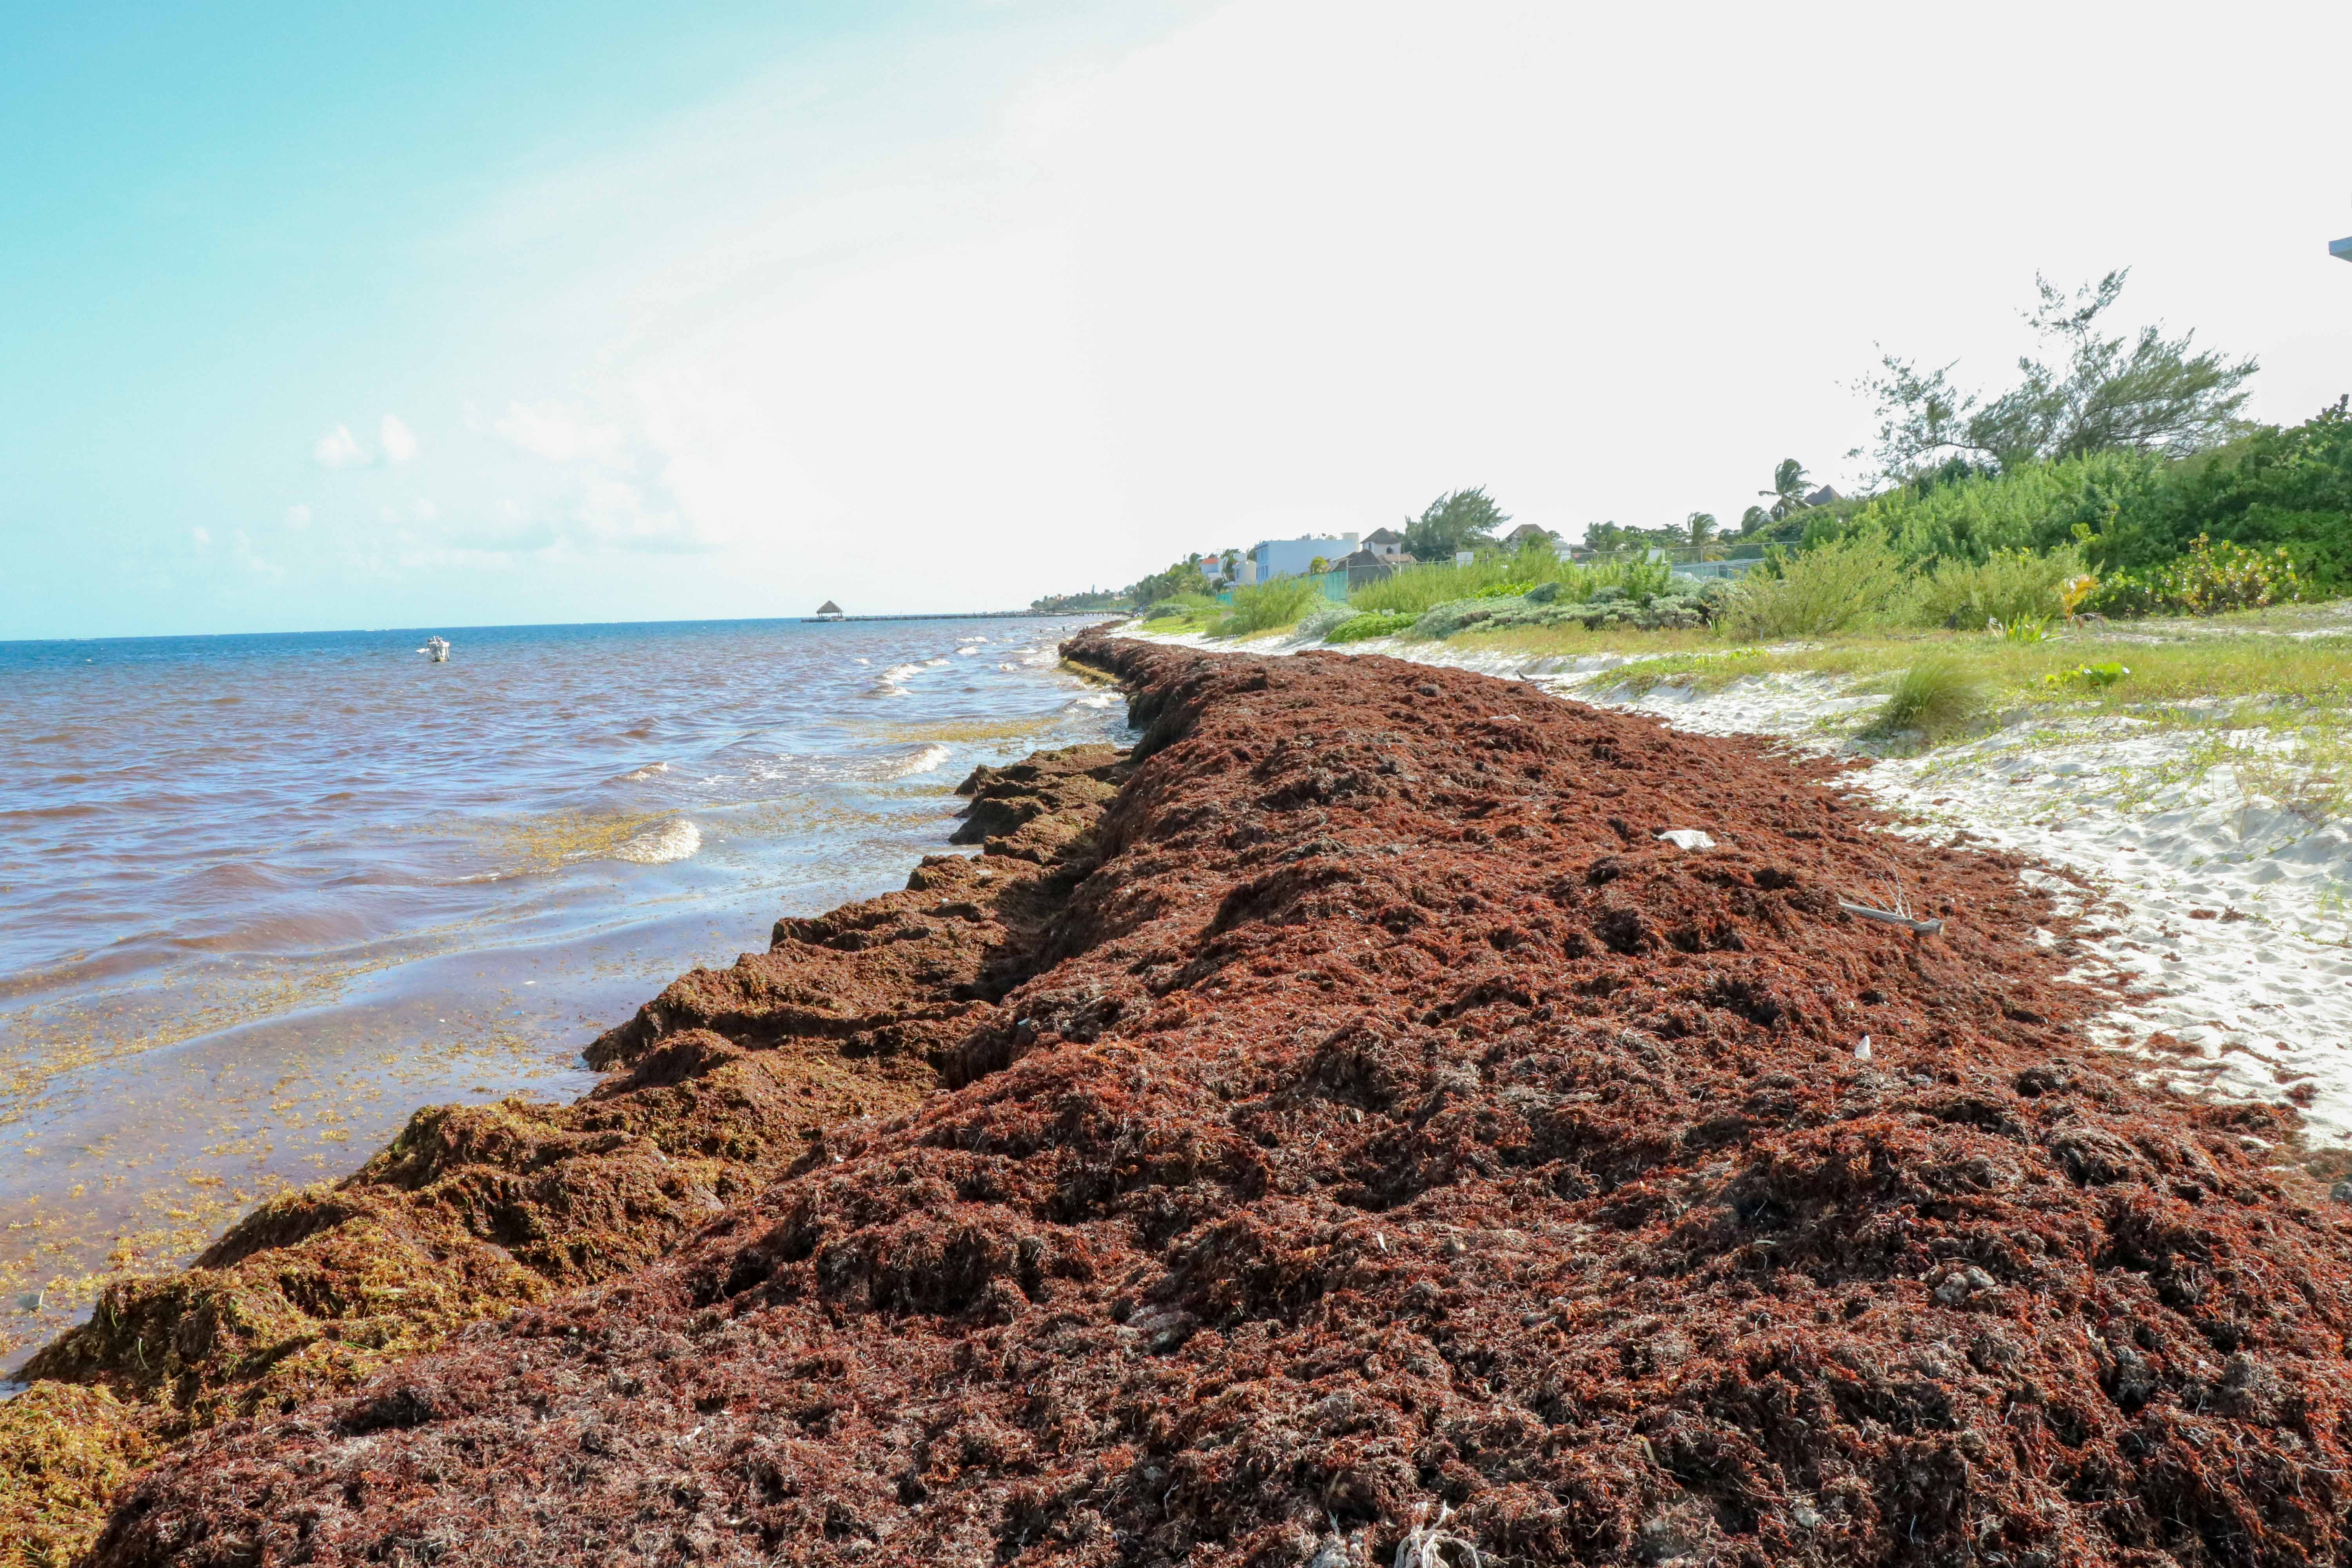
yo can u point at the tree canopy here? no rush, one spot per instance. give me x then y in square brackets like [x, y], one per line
[1460, 520]
[2098, 393]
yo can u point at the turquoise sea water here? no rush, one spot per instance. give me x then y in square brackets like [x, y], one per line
[261, 897]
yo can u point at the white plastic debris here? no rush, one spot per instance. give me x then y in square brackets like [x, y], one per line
[1687, 838]
[1862, 1051]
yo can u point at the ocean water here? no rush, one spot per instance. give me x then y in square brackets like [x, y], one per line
[262, 897]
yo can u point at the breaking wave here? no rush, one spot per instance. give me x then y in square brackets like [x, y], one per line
[673, 840]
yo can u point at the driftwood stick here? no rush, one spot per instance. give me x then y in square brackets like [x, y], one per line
[1888, 917]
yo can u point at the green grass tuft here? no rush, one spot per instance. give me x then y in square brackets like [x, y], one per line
[1938, 695]
[1268, 607]
[1852, 583]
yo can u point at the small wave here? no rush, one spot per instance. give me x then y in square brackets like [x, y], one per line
[1096, 700]
[892, 681]
[650, 771]
[921, 760]
[673, 840]
[933, 663]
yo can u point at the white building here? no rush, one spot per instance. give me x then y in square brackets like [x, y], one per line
[1292, 557]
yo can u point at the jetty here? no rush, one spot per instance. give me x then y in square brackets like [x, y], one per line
[960, 615]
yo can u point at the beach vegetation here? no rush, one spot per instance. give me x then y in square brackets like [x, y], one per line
[2013, 586]
[1936, 695]
[1454, 522]
[2208, 579]
[1852, 583]
[1268, 606]
[1363, 624]
[2094, 392]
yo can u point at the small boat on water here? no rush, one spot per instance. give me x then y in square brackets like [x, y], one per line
[435, 648]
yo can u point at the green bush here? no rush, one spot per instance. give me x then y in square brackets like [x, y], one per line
[2210, 578]
[2009, 587]
[2033, 508]
[1370, 623]
[1267, 606]
[1322, 621]
[1419, 589]
[2276, 488]
[1683, 603]
[1853, 582]
[1178, 604]
[1938, 695]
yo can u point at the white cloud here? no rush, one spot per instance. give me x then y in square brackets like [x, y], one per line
[399, 441]
[388, 512]
[338, 448]
[297, 516]
[549, 432]
[202, 536]
[1300, 264]
[425, 509]
[249, 560]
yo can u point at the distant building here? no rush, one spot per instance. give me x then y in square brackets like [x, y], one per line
[1822, 497]
[1293, 557]
[1519, 537]
[1385, 541]
[1368, 565]
[828, 611]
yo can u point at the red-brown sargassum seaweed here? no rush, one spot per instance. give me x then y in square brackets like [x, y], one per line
[1389, 1122]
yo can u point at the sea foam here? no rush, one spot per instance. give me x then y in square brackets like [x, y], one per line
[673, 840]
[920, 761]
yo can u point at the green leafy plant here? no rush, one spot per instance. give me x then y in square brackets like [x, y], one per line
[2090, 675]
[1267, 606]
[2027, 629]
[1850, 583]
[2010, 586]
[2209, 579]
[1371, 624]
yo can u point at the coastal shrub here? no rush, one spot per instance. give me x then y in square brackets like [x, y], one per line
[2210, 578]
[1370, 623]
[1683, 603]
[1266, 606]
[2010, 585]
[1535, 573]
[1178, 605]
[1849, 583]
[1938, 695]
[2286, 488]
[1322, 621]
[2031, 507]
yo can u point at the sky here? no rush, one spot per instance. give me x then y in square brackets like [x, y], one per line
[346, 316]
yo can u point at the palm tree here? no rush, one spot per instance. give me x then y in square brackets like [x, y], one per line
[1789, 483]
[1701, 526]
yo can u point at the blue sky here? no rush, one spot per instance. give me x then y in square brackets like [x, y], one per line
[334, 316]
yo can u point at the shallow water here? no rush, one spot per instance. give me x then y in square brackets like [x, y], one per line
[262, 897]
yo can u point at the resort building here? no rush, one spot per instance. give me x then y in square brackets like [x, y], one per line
[1294, 557]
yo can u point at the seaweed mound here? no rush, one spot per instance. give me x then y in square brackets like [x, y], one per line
[1394, 1149]
[723, 1083]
